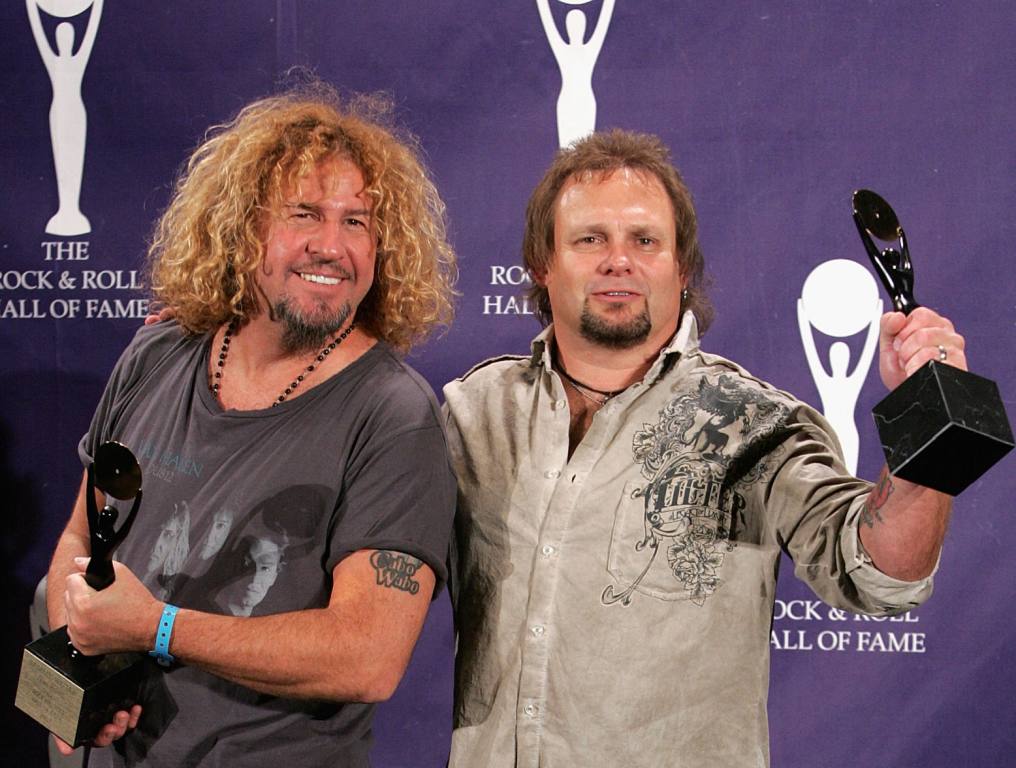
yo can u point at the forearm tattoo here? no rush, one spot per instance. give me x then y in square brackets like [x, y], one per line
[395, 570]
[870, 513]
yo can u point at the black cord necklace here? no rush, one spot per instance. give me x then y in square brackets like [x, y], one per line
[579, 386]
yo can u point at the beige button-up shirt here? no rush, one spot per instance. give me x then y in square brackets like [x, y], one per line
[614, 609]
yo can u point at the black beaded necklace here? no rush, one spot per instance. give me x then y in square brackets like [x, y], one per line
[215, 384]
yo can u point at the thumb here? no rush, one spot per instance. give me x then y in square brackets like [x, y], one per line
[890, 325]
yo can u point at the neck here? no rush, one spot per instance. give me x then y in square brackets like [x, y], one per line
[260, 343]
[259, 368]
[604, 368]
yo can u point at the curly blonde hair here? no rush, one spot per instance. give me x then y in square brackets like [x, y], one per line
[208, 244]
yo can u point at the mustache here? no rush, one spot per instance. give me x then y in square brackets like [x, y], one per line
[329, 267]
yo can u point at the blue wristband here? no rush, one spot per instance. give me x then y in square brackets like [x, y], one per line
[162, 635]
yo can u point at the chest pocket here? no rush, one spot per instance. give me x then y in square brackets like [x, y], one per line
[671, 536]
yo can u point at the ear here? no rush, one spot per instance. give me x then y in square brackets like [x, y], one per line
[682, 270]
[539, 275]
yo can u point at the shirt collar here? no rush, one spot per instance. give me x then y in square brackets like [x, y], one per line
[681, 343]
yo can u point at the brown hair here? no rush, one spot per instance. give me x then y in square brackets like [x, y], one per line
[604, 153]
[208, 244]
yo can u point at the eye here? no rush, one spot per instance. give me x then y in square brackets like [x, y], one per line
[645, 240]
[355, 222]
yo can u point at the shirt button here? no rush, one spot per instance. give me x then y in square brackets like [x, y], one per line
[547, 550]
[550, 474]
[530, 710]
[560, 404]
[537, 630]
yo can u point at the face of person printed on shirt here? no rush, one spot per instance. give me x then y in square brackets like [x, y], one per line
[171, 547]
[216, 536]
[261, 565]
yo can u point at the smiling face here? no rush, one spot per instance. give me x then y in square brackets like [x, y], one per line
[319, 254]
[614, 278]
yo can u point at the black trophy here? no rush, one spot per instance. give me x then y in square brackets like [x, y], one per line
[70, 694]
[943, 427]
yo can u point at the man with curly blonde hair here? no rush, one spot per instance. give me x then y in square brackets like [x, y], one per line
[304, 248]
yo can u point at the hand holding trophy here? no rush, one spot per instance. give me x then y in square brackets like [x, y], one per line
[73, 695]
[943, 427]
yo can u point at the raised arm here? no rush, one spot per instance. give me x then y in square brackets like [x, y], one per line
[870, 344]
[48, 57]
[90, 32]
[596, 39]
[810, 351]
[903, 525]
[549, 27]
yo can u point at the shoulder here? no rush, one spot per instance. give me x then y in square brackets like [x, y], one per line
[714, 368]
[717, 385]
[496, 366]
[489, 376]
[390, 389]
[490, 397]
[152, 344]
[162, 337]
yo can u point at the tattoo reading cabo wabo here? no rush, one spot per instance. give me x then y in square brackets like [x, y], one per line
[695, 496]
[396, 570]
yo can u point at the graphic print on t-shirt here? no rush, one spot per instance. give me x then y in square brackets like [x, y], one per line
[227, 559]
[261, 562]
[707, 448]
[170, 551]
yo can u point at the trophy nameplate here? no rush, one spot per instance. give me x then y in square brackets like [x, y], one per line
[74, 696]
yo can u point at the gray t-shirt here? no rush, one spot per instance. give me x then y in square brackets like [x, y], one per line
[247, 513]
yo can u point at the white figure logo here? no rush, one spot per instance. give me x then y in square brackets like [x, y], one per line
[576, 57]
[67, 117]
[840, 299]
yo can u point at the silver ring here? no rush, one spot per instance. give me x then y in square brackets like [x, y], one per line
[942, 355]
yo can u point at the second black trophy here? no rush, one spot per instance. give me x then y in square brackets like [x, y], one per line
[70, 694]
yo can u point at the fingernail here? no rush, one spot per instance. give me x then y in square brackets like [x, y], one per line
[897, 344]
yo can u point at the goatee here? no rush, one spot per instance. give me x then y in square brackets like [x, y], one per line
[615, 335]
[304, 333]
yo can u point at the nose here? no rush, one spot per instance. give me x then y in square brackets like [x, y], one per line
[326, 240]
[616, 260]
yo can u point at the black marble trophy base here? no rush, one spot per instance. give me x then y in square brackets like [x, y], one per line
[943, 428]
[74, 697]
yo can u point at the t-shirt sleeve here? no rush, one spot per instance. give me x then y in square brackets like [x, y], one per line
[399, 490]
[129, 372]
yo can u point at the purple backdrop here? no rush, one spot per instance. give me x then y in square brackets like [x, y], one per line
[775, 112]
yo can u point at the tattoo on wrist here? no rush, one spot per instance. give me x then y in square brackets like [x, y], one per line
[870, 513]
[395, 570]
